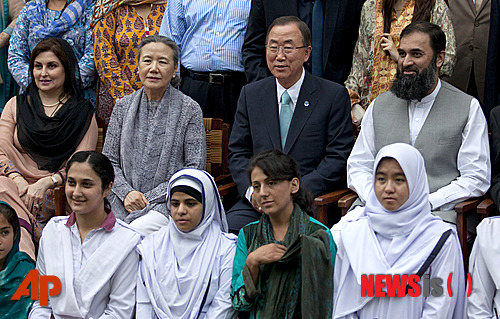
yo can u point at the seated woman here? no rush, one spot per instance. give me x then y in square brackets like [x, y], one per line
[39, 131]
[283, 262]
[14, 265]
[186, 267]
[65, 19]
[484, 301]
[395, 233]
[96, 257]
[152, 133]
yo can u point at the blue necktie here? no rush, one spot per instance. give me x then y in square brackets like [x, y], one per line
[317, 38]
[285, 117]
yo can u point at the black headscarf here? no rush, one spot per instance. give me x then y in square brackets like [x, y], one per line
[50, 141]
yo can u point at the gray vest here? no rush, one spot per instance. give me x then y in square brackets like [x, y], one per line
[439, 139]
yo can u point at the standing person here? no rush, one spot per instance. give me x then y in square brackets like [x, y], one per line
[305, 116]
[185, 271]
[284, 262]
[9, 11]
[14, 265]
[119, 27]
[395, 233]
[209, 35]
[66, 19]
[375, 58]
[39, 131]
[96, 260]
[153, 133]
[492, 94]
[334, 25]
[471, 20]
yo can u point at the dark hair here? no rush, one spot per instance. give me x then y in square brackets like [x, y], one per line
[422, 12]
[437, 38]
[10, 214]
[55, 46]
[286, 20]
[99, 163]
[280, 166]
[156, 38]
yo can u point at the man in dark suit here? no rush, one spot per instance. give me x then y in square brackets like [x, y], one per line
[335, 22]
[305, 116]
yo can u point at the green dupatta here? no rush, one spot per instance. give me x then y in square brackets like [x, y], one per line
[16, 267]
[304, 273]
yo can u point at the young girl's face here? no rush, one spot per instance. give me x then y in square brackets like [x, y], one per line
[391, 187]
[84, 189]
[273, 196]
[6, 239]
[186, 211]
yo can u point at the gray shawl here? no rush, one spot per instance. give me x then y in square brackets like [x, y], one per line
[148, 144]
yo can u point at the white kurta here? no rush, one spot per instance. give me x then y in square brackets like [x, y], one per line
[98, 276]
[484, 301]
[447, 261]
[218, 303]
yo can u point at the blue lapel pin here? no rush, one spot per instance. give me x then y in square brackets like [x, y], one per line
[306, 103]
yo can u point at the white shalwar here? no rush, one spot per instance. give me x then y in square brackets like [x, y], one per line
[484, 301]
[98, 277]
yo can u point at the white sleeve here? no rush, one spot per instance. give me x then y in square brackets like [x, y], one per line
[360, 162]
[38, 311]
[480, 302]
[222, 307]
[473, 162]
[144, 309]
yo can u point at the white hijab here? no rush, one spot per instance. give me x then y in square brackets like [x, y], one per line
[413, 230]
[177, 266]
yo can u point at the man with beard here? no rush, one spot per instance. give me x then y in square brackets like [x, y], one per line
[446, 125]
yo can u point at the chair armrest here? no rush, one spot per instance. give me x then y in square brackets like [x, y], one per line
[59, 201]
[346, 202]
[330, 197]
[468, 205]
[226, 189]
[486, 207]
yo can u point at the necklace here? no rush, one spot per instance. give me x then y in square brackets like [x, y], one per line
[51, 105]
[55, 110]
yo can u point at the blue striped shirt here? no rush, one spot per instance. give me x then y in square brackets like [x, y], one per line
[210, 33]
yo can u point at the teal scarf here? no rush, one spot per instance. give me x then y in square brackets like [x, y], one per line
[16, 267]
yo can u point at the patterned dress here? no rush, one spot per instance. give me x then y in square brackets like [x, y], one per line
[372, 69]
[119, 34]
[36, 15]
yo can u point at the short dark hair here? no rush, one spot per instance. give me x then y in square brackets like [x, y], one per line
[55, 46]
[285, 20]
[282, 167]
[11, 216]
[437, 38]
[98, 162]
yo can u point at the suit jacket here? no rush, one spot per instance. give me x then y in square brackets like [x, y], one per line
[341, 25]
[472, 31]
[320, 136]
[495, 155]
[492, 92]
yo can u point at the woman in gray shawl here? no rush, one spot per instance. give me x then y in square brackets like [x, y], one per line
[152, 133]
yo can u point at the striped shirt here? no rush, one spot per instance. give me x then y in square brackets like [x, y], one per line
[210, 33]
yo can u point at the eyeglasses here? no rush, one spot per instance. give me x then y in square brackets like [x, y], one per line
[286, 50]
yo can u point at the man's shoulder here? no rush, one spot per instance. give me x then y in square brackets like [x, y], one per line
[445, 86]
[265, 83]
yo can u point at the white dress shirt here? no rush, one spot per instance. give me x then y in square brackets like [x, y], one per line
[473, 160]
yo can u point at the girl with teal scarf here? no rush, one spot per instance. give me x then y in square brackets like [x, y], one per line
[14, 265]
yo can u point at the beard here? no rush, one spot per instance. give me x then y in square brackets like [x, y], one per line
[414, 87]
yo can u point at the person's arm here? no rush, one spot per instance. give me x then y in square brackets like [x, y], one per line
[340, 137]
[240, 145]
[473, 163]
[495, 155]
[7, 129]
[108, 68]
[480, 303]
[448, 261]
[360, 59]
[19, 52]
[221, 307]
[254, 50]
[360, 162]
[441, 16]
[143, 307]
[15, 7]
[122, 299]
[111, 149]
[86, 63]
[38, 311]
[239, 297]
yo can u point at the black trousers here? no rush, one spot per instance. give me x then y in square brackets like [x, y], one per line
[216, 100]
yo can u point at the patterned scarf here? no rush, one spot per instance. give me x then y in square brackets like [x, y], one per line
[68, 17]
